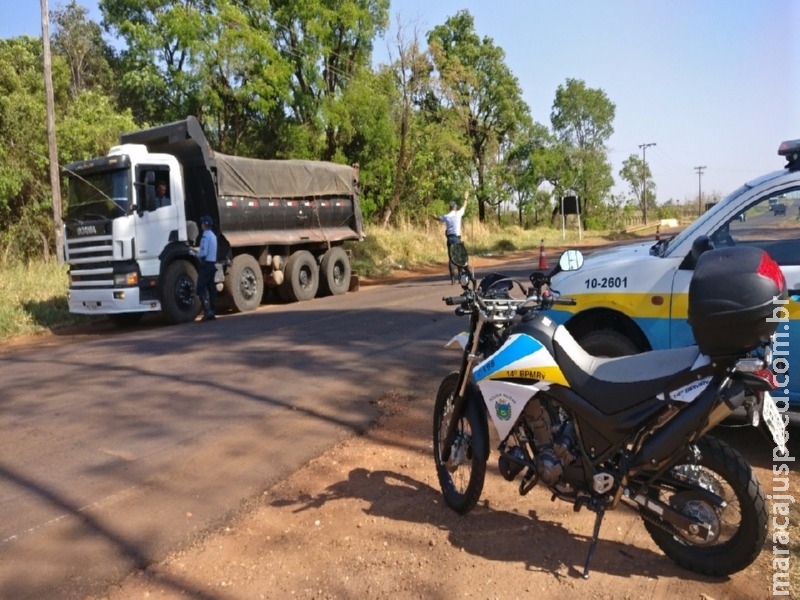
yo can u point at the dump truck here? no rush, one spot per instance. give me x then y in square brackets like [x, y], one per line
[280, 224]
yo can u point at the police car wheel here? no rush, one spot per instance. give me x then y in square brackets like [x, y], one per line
[607, 343]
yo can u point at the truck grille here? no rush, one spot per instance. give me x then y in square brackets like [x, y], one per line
[89, 261]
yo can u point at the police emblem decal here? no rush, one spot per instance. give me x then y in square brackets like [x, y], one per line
[503, 410]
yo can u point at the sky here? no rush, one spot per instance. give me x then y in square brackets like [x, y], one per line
[712, 83]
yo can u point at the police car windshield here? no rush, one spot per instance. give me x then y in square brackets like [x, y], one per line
[700, 225]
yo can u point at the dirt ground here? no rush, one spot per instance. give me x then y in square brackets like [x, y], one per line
[367, 520]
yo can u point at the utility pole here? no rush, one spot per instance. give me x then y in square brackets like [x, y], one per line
[644, 147]
[699, 189]
[55, 185]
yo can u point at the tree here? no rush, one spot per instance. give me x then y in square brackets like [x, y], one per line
[25, 213]
[409, 73]
[479, 89]
[264, 78]
[326, 43]
[215, 59]
[85, 126]
[367, 135]
[80, 41]
[635, 172]
[582, 119]
[526, 170]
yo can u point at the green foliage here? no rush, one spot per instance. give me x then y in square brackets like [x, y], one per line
[611, 215]
[24, 179]
[87, 123]
[582, 119]
[481, 92]
[33, 298]
[291, 79]
[634, 171]
[90, 126]
[80, 42]
[525, 170]
[415, 246]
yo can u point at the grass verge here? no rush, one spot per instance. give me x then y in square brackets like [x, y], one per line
[33, 296]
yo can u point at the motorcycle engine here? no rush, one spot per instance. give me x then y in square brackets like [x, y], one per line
[554, 443]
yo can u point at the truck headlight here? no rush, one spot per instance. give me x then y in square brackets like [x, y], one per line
[126, 279]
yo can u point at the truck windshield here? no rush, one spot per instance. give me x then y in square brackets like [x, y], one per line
[105, 195]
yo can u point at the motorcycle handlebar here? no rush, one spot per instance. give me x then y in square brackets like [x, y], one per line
[567, 301]
[475, 301]
[453, 300]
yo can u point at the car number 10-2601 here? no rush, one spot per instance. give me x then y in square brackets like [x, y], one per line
[606, 282]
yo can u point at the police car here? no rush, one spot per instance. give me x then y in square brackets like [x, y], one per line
[634, 298]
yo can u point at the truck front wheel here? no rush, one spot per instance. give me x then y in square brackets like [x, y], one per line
[334, 272]
[301, 277]
[245, 283]
[179, 299]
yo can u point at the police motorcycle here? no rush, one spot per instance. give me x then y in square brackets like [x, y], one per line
[631, 431]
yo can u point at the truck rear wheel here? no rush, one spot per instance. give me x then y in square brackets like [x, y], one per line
[334, 272]
[301, 277]
[179, 299]
[245, 283]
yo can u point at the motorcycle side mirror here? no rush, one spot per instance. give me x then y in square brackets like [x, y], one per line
[570, 260]
[458, 254]
[145, 193]
[701, 244]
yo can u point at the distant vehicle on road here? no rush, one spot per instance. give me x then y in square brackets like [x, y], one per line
[779, 208]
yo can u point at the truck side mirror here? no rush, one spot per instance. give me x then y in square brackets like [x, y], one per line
[149, 192]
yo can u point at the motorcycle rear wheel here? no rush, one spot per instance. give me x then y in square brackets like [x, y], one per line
[740, 527]
[461, 477]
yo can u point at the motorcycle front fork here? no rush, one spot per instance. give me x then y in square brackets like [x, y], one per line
[459, 405]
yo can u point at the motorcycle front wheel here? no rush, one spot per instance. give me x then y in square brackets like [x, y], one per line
[738, 527]
[461, 477]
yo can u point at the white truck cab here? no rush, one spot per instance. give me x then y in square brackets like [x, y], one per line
[117, 231]
[634, 297]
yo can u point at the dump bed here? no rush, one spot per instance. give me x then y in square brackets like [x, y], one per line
[259, 201]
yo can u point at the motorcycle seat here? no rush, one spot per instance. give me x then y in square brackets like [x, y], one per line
[614, 384]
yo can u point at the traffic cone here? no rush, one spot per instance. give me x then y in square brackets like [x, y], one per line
[542, 257]
[658, 234]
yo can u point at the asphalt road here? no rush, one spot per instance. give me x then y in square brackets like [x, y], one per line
[116, 448]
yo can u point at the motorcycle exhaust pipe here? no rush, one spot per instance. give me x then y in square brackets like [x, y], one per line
[701, 415]
[733, 396]
[721, 412]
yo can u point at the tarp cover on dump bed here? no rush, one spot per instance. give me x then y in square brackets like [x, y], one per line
[246, 177]
[257, 178]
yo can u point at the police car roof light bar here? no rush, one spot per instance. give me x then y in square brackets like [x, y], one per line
[791, 150]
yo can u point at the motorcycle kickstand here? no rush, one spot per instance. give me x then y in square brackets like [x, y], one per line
[598, 519]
